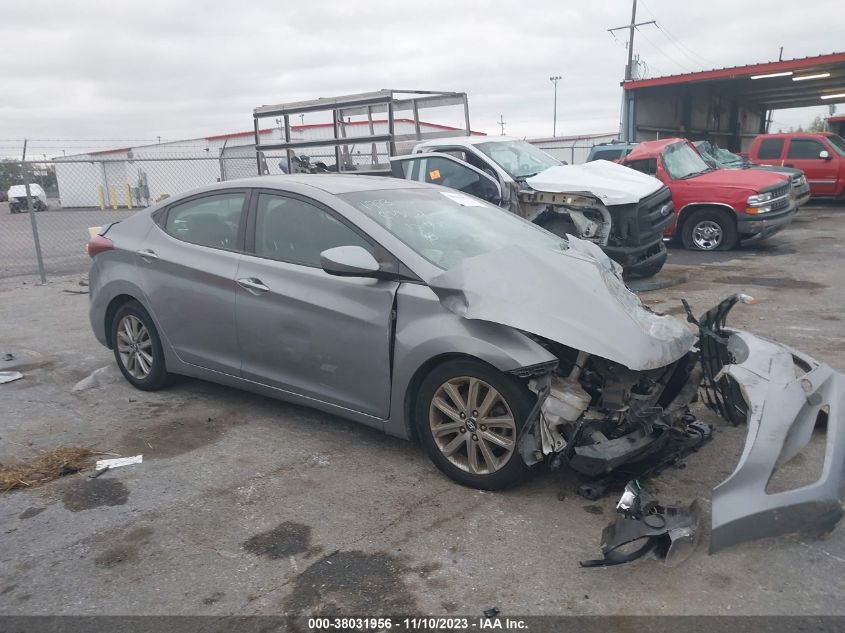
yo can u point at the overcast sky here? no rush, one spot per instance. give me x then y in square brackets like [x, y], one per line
[129, 70]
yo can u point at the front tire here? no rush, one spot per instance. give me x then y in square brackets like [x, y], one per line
[468, 416]
[709, 230]
[137, 348]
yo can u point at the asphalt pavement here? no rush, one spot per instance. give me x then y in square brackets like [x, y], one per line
[245, 505]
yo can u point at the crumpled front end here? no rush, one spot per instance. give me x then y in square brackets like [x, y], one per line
[784, 395]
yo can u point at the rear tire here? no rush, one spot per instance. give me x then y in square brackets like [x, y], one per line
[709, 230]
[137, 348]
[468, 417]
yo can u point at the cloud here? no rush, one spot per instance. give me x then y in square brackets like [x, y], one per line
[139, 69]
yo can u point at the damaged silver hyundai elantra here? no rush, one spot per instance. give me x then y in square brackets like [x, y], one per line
[434, 316]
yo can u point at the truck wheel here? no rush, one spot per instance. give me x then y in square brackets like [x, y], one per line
[709, 230]
[468, 416]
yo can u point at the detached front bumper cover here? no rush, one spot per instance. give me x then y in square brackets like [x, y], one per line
[784, 395]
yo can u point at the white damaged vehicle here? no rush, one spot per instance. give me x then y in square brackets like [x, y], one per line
[622, 210]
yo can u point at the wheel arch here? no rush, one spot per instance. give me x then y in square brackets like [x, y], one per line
[419, 375]
[688, 209]
[111, 310]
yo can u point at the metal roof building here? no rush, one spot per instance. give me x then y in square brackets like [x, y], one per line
[729, 105]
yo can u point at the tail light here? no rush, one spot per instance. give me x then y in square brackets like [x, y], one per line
[98, 244]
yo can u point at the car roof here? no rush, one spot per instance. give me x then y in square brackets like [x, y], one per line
[330, 183]
[467, 140]
[649, 149]
[791, 134]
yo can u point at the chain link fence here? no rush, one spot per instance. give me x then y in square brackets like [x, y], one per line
[69, 195]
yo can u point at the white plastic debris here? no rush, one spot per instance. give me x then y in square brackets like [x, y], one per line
[9, 376]
[118, 462]
[98, 378]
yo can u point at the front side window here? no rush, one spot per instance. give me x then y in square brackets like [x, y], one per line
[805, 148]
[446, 227]
[208, 221]
[448, 173]
[682, 161]
[770, 148]
[518, 158]
[292, 230]
[838, 143]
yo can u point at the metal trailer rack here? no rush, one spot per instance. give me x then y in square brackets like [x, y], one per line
[367, 104]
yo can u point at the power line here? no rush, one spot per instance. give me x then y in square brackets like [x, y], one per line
[666, 55]
[677, 43]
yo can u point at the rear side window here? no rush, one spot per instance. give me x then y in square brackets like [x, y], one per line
[209, 221]
[607, 154]
[292, 230]
[804, 148]
[770, 148]
[645, 165]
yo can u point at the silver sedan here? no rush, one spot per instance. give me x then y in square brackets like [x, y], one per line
[434, 316]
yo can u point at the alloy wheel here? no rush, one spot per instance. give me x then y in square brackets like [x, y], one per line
[472, 425]
[707, 235]
[135, 347]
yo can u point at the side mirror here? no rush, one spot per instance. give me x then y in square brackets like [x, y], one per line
[348, 261]
[824, 155]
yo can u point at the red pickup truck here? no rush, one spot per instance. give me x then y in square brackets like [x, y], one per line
[715, 208]
[821, 156]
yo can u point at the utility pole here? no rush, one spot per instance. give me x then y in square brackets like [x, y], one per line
[501, 123]
[626, 124]
[554, 79]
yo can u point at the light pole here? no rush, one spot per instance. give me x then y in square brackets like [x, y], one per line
[554, 79]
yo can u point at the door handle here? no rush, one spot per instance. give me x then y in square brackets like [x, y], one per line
[147, 255]
[789, 164]
[253, 285]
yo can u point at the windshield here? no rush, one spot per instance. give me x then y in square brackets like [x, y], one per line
[518, 158]
[838, 143]
[682, 161]
[446, 227]
[721, 156]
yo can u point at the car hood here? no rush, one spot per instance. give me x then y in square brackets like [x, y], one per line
[786, 171]
[611, 182]
[750, 179]
[576, 298]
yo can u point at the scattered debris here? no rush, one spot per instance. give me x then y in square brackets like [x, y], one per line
[679, 444]
[650, 285]
[46, 467]
[75, 292]
[8, 356]
[97, 378]
[103, 464]
[671, 532]
[492, 612]
[99, 472]
[9, 376]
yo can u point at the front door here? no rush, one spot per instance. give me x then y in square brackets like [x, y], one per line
[303, 330]
[188, 264]
[444, 170]
[804, 154]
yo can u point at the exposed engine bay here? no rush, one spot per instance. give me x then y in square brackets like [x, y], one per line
[596, 415]
[601, 418]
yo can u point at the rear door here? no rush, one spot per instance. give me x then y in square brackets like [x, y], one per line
[188, 263]
[301, 329]
[770, 151]
[445, 170]
[804, 154]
